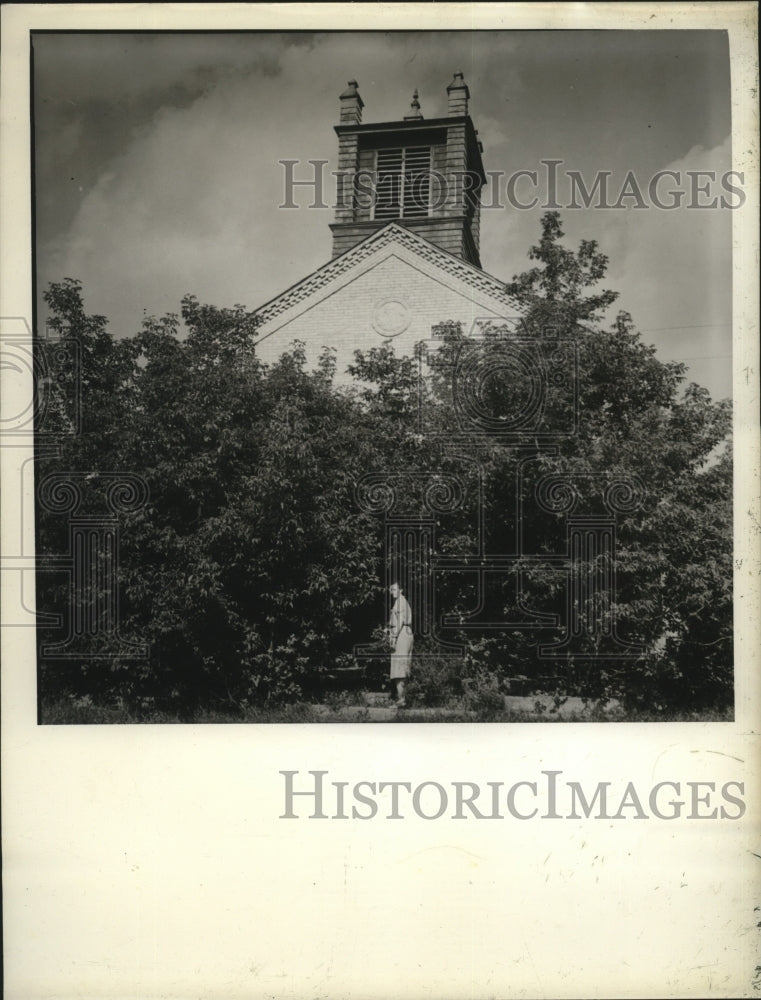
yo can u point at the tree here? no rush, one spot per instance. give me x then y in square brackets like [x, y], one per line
[246, 571]
[252, 571]
[552, 296]
[637, 422]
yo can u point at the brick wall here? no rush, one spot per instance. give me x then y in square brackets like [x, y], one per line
[391, 295]
[448, 233]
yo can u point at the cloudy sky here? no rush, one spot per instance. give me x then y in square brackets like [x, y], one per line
[157, 173]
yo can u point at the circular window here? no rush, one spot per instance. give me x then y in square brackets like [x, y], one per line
[390, 318]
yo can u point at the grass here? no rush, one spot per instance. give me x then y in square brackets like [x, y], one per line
[352, 707]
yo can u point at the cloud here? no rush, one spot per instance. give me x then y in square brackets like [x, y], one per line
[176, 154]
[674, 270]
[76, 67]
[190, 203]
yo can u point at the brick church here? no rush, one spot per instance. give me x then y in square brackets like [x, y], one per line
[406, 254]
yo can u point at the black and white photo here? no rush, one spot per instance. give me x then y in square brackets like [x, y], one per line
[380, 501]
[485, 347]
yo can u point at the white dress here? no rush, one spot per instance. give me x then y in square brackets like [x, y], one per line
[400, 627]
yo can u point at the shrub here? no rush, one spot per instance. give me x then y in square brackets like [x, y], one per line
[434, 681]
[484, 695]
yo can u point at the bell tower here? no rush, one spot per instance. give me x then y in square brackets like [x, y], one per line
[424, 174]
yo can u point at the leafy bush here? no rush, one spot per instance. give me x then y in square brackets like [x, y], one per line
[252, 571]
[435, 681]
[484, 695]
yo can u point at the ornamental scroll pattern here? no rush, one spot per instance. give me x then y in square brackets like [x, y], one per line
[411, 503]
[92, 629]
[589, 561]
[542, 412]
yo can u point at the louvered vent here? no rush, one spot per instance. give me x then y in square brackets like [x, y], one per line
[403, 179]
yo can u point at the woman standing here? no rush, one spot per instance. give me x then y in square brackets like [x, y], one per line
[401, 639]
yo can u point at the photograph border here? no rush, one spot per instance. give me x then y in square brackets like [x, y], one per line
[120, 840]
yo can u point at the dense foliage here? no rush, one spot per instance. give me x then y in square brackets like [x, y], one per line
[251, 571]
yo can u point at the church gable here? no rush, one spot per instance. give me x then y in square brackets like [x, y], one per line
[392, 288]
[406, 239]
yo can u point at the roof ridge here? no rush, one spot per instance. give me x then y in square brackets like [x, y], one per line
[392, 231]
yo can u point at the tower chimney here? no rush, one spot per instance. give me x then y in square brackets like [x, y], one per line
[458, 95]
[414, 112]
[386, 173]
[351, 105]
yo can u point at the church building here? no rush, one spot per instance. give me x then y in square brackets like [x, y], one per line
[406, 257]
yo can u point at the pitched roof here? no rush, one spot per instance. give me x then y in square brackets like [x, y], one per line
[365, 254]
